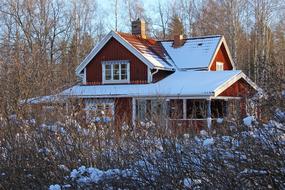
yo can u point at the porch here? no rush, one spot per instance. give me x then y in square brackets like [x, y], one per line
[187, 114]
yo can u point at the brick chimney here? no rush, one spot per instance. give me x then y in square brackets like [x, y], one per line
[138, 28]
[177, 41]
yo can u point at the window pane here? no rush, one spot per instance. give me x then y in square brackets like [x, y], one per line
[124, 77]
[116, 72]
[141, 110]
[108, 72]
[219, 66]
[124, 71]
[108, 67]
[99, 109]
[124, 67]
[108, 109]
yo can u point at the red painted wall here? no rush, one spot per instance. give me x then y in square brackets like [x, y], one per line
[239, 89]
[123, 110]
[113, 50]
[222, 56]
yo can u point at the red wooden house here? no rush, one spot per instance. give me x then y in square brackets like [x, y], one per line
[134, 78]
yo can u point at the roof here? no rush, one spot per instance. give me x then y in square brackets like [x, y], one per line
[148, 51]
[149, 48]
[180, 83]
[45, 99]
[195, 52]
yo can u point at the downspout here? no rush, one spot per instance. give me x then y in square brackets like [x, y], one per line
[151, 74]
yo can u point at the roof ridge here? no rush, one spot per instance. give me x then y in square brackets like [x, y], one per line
[193, 38]
[137, 36]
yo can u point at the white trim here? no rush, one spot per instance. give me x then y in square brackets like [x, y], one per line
[149, 75]
[229, 53]
[141, 97]
[122, 41]
[184, 108]
[226, 98]
[209, 114]
[112, 63]
[93, 52]
[84, 76]
[134, 111]
[234, 79]
[222, 41]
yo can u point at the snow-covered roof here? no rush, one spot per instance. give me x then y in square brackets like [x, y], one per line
[180, 83]
[138, 46]
[195, 52]
[45, 99]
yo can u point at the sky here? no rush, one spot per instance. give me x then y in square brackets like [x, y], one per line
[108, 7]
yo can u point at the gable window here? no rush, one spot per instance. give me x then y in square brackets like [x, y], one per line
[219, 66]
[117, 71]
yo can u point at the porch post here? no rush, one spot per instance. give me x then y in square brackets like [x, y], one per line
[134, 111]
[209, 119]
[184, 109]
[167, 112]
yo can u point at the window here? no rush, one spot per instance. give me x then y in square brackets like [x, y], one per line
[218, 108]
[99, 110]
[197, 109]
[116, 71]
[219, 66]
[176, 109]
[147, 110]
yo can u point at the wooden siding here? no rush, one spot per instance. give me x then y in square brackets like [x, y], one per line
[123, 111]
[239, 89]
[223, 57]
[113, 50]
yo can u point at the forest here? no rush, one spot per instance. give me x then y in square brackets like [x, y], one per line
[43, 41]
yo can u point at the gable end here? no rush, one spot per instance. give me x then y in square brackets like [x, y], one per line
[113, 51]
[222, 55]
[124, 43]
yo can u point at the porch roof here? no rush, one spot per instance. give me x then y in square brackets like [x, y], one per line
[179, 84]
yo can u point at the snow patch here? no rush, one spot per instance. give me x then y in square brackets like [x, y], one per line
[280, 115]
[54, 187]
[220, 120]
[283, 93]
[63, 167]
[203, 133]
[208, 142]
[248, 120]
[187, 182]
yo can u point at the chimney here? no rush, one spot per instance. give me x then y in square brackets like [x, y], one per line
[177, 41]
[138, 28]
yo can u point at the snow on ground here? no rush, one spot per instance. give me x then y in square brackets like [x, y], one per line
[220, 120]
[208, 141]
[187, 182]
[248, 120]
[54, 187]
[90, 175]
[279, 115]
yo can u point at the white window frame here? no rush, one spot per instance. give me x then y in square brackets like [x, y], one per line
[219, 66]
[91, 105]
[112, 63]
